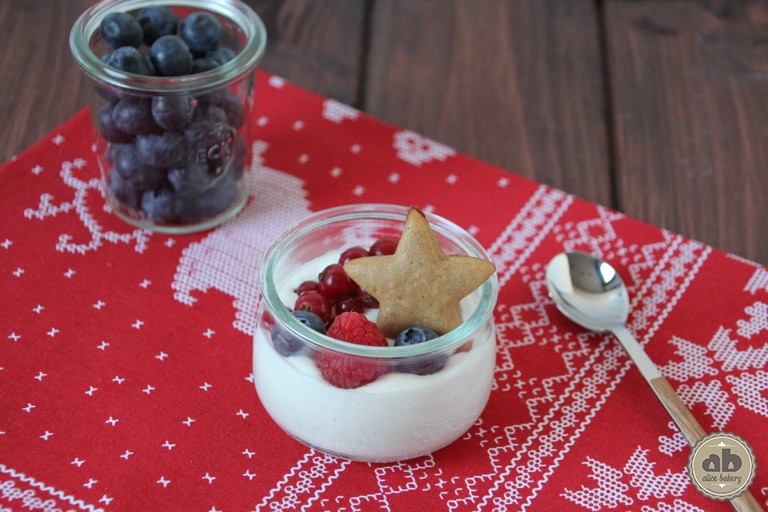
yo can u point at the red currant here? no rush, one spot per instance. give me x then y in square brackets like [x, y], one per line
[334, 284]
[352, 254]
[347, 305]
[314, 302]
[306, 286]
[367, 299]
[267, 320]
[383, 247]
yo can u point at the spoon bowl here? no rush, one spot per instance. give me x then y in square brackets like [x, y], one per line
[588, 291]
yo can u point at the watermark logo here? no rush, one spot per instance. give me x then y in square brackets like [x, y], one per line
[722, 466]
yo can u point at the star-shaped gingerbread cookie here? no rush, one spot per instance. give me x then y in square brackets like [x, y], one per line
[419, 285]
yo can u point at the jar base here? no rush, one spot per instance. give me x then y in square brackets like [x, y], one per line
[374, 460]
[178, 229]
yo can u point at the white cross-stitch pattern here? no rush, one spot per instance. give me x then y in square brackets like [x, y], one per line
[648, 483]
[276, 81]
[590, 236]
[758, 320]
[229, 258]
[758, 281]
[527, 229]
[669, 445]
[676, 506]
[695, 363]
[673, 265]
[304, 483]
[724, 347]
[10, 492]
[751, 391]
[714, 398]
[337, 112]
[86, 194]
[612, 491]
[609, 493]
[417, 149]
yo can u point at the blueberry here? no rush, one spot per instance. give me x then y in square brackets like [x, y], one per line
[151, 69]
[165, 149]
[173, 112]
[213, 97]
[121, 29]
[157, 21]
[190, 181]
[107, 94]
[201, 31]
[215, 199]
[415, 335]
[210, 113]
[234, 109]
[202, 65]
[171, 56]
[128, 59]
[221, 55]
[285, 343]
[202, 194]
[159, 205]
[122, 190]
[420, 365]
[125, 161]
[107, 126]
[133, 115]
[212, 143]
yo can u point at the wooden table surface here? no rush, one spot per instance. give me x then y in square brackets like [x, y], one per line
[658, 109]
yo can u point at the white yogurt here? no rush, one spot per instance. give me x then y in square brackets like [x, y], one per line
[396, 417]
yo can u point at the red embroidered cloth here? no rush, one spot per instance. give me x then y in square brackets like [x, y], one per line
[125, 356]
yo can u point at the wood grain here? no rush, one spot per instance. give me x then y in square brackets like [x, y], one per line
[688, 82]
[316, 44]
[677, 410]
[517, 84]
[674, 136]
[41, 85]
[694, 432]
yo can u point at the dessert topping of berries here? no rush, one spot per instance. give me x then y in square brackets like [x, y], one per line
[335, 284]
[383, 247]
[348, 371]
[314, 302]
[420, 365]
[352, 254]
[285, 342]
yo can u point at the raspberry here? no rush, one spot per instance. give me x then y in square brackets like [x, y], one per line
[346, 371]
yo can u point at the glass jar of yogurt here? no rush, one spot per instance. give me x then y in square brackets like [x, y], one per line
[401, 413]
[171, 107]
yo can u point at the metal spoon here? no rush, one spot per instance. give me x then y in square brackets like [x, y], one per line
[591, 293]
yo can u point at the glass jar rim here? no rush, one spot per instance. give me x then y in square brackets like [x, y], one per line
[445, 343]
[236, 11]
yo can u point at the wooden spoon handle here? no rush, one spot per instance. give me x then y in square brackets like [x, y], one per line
[677, 410]
[693, 432]
[746, 503]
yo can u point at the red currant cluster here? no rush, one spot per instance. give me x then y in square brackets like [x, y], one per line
[335, 292]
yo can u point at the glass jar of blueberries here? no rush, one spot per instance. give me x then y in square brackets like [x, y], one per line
[172, 106]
